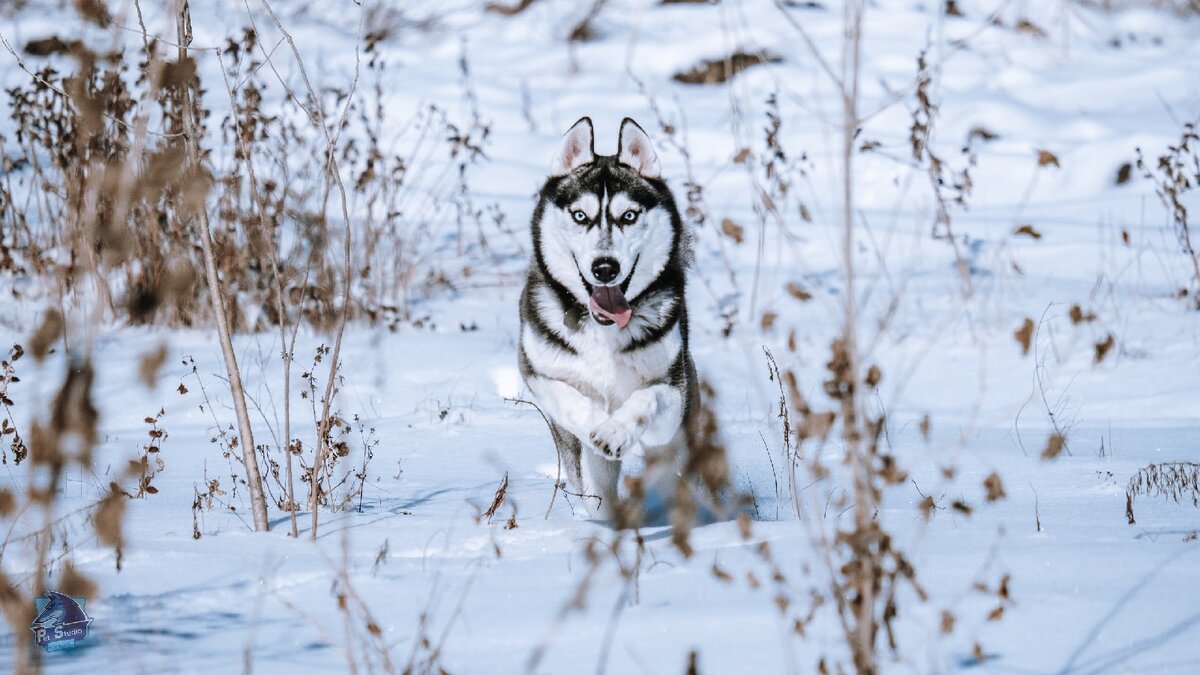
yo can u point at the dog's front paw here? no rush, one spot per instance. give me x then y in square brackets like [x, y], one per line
[612, 438]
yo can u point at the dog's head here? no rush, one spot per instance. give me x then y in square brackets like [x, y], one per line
[606, 225]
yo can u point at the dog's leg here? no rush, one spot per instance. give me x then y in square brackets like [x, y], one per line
[566, 405]
[650, 416]
[569, 449]
[600, 476]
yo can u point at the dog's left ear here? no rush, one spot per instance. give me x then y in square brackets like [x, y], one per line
[578, 148]
[636, 151]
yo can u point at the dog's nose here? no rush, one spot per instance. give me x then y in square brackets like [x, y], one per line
[606, 269]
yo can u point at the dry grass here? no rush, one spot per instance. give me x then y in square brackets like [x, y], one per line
[78, 151]
[1176, 173]
[1178, 481]
[1181, 7]
[119, 172]
[717, 71]
[125, 200]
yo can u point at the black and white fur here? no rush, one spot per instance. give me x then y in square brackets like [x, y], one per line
[609, 392]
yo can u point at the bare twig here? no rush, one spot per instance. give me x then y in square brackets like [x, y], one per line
[558, 477]
[332, 170]
[258, 502]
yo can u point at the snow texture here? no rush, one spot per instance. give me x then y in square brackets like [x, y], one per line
[1090, 593]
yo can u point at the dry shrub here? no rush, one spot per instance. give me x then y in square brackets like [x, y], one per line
[104, 193]
[498, 499]
[1055, 444]
[115, 172]
[150, 462]
[95, 203]
[862, 569]
[1177, 480]
[335, 482]
[717, 71]
[1181, 7]
[865, 566]
[95, 181]
[1024, 335]
[509, 10]
[704, 479]
[15, 444]
[950, 187]
[1177, 172]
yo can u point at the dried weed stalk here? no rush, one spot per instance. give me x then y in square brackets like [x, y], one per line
[191, 114]
[864, 569]
[1176, 480]
[1176, 173]
[949, 187]
[150, 462]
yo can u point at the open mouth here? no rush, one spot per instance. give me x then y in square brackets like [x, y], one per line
[608, 304]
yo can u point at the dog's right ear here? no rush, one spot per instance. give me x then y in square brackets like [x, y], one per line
[578, 148]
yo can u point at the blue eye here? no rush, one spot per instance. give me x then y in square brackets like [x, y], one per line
[579, 216]
[629, 216]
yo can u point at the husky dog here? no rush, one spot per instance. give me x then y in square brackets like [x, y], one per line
[604, 337]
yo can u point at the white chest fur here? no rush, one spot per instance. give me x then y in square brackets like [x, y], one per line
[599, 368]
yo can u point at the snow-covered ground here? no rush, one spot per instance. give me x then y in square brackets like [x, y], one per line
[1089, 592]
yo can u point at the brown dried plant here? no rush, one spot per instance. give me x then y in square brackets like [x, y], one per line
[864, 569]
[949, 187]
[191, 116]
[1178, 481]
[721, 70]
[268, 172]
[150, 462]
[8, 376]
[60, 439]
[119, 173]
[1176, 173]
[98, 178]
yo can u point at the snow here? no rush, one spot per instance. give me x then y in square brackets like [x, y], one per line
[1090, 593]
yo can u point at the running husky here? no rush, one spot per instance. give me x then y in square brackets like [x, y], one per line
[604, 338]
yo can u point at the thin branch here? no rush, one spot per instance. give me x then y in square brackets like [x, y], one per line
[258, 503]
[332, 170]
[558, 478]
[837, 82]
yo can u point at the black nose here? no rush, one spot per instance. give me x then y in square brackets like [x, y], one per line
[606, 269]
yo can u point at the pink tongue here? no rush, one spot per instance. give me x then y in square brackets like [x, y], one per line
[610, 303]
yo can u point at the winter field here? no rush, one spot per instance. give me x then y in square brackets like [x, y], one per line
[1022, 287]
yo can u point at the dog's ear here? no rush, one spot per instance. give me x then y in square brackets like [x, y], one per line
[578, 148]
[636, 151]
